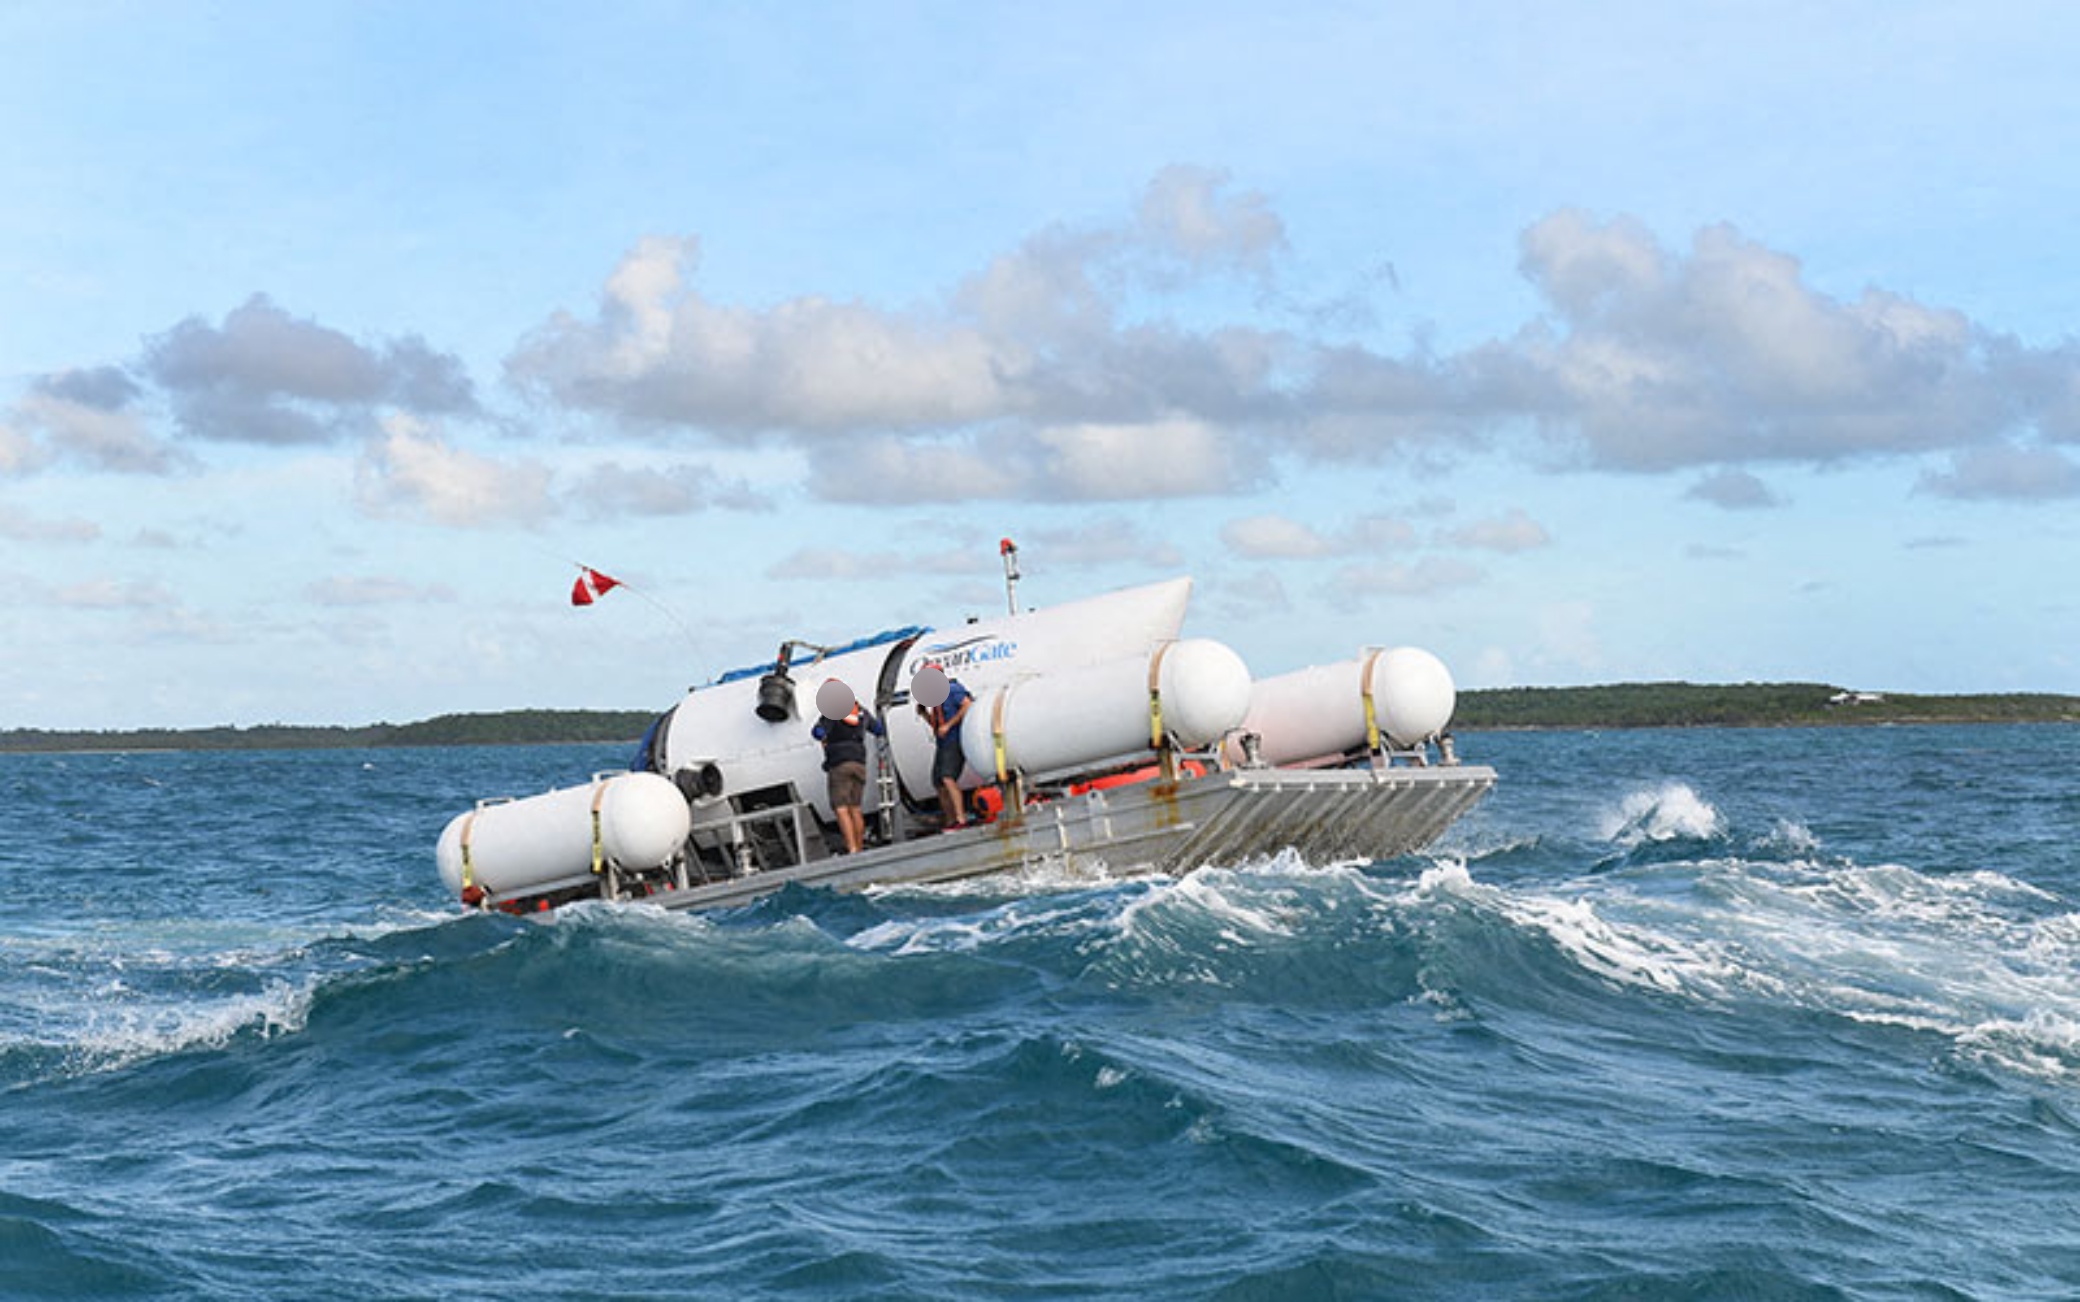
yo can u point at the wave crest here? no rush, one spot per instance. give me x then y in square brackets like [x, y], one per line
[1671, 811]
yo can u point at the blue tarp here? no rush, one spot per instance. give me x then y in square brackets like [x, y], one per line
[876, 639]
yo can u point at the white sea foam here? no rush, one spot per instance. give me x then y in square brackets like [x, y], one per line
[1792, 837]
[1970, 957]
[141, 988]
[2043, 1042]
[1665, 813]
[1039, 877]
[1616, 949]
[1243, 908]
[121, 1032]
[1444, 875]
[968, 932]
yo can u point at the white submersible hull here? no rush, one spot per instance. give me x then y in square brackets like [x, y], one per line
[1097, 741]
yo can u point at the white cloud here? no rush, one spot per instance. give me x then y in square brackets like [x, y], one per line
[1649, 359]
[412, 473]
[267, 377]
[1586, 270]
[1096, 541]
[1272, 536]
[656, 351]
[1033, 349]
[1080, 463]
[375, 590]
[21, 526]
[1424, 577]
[87, 417]
[1174, 457]
[1250, 596]
[612, 490]
[113, 594]
[1514, 531]
[1062, 370]
[18, 452]
[1036, 377]
[884, 468]
[1735, 490]
[1101, 540]
[1656, 361]
[2006, 472]
[106, 440]
[1044, 293]
[825, 563]
[834, 563]
[1188, 211]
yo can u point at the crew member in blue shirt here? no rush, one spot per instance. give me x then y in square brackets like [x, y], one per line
[948, 761]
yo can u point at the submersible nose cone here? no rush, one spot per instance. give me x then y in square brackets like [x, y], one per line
[775, 697]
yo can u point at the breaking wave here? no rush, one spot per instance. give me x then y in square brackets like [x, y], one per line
[1983, 961]
[1669, 812]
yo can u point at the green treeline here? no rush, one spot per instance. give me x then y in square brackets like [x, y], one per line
[1619, 705]
[1691, 705]
[524, 726]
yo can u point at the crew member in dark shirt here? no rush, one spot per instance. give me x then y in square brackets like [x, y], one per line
[844, 738]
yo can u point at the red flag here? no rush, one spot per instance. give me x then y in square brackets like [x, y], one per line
[591, 586]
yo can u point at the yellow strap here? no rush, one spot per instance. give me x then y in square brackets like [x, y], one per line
[1365, 690]
[469, 871]
[996, 728]
[599, 853]
[1155, 696]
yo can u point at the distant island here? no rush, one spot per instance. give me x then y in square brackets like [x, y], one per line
[1619, 705]
[1742, 705]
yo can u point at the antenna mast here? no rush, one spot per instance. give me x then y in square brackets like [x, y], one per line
[1009, 550]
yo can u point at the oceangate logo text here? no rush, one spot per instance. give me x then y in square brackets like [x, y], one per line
[966, 654]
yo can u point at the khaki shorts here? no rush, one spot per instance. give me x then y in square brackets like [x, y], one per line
[848, 782]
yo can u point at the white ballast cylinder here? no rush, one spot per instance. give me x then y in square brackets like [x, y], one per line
[1082, 718]
[1319, 712]
[546, 842]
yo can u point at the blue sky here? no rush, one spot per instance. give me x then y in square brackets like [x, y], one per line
[1577, 344]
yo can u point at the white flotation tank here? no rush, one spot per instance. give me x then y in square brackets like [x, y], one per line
[551, 841]
[1413, 695]
[1081, 719]
[1319, 713]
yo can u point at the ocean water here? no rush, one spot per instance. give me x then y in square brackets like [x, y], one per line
[1681, 1014]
